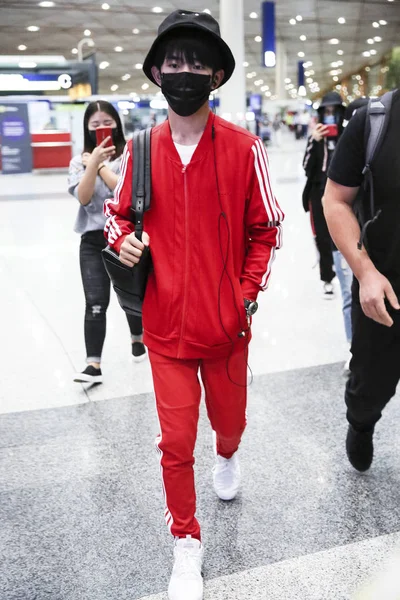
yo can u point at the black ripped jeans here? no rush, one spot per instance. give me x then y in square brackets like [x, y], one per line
[96, 285]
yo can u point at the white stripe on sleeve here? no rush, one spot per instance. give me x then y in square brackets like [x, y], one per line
[115, 199]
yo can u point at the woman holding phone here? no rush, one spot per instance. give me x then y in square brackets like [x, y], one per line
[93, 177]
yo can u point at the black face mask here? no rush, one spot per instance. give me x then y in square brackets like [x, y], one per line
[186, 92]
[114, 131]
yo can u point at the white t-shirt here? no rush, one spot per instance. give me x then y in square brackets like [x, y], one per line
[185, 152]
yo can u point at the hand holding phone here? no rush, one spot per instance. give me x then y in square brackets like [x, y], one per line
[104, 151]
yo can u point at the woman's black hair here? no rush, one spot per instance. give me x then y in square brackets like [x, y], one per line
[192, 46]
[106, 107]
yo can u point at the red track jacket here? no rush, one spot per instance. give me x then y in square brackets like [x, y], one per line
[210, 249]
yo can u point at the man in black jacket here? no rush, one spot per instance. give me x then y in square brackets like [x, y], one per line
[320, 148]
[375, 366]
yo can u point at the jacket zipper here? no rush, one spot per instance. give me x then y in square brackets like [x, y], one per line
[185, 294]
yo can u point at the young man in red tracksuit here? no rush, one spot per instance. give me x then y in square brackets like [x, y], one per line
[213, 228]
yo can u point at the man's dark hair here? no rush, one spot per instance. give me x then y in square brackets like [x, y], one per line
[192, 46]
[106, 107]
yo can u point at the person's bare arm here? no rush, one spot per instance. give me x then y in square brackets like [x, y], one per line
[92, 162]
[345, 232]
[108, 176]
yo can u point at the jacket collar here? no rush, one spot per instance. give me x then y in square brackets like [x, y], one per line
[204, 146]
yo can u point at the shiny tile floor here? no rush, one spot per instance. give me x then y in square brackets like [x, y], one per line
[80, 500]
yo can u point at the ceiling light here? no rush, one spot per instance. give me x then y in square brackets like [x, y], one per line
[245, 64]
[87, 32]
[301, 54]
[105, 6]
[258, 38]
[377, 38]
[340, 52]
[375, 24]
[136, 31]
[366, 53]
[333, 41]
[33, 28]
[370, 41]
[335, 78]
[157, 9]
[303, 38]
[74, 50]
[145, 86]
[118, 49]
[299, 18]
[114, 87]
[309, 80]
[22, 47]
[126, 77]
[104, 65]
[373, 52]
[288, 80]
[138, 66]
[27, 64]
[341, 20]
[293, 21]
[253, 15]
[47, 4]
[207, 10]
[265, 88]
[308, 64]
[382, 22]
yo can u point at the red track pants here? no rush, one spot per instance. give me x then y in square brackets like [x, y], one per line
[177, 390]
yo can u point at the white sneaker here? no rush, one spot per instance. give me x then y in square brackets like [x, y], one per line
[186, 580]
[226, 477]
[328, 291]
[346, 368]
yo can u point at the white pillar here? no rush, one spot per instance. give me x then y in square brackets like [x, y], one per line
[280, 70]
[233, 94]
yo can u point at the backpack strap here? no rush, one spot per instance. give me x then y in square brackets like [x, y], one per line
[377, 122]
[141, 177]
[378, 112]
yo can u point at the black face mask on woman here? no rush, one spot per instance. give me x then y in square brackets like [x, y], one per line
[186, 92]
[114, 131]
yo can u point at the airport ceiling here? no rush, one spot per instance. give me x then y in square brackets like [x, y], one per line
[131, 25]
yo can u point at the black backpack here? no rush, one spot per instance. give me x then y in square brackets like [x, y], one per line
[376, 125]
[130, 283]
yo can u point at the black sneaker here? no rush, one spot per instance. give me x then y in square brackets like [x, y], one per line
[360, 448]
[89, 375]
[138, 352]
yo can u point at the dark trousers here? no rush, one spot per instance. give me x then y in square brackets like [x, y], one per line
[375, 367]
[96, 285]
[322, 235]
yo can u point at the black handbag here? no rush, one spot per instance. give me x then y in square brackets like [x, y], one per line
[129, 283]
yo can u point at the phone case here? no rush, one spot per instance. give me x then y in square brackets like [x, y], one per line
[102, 133]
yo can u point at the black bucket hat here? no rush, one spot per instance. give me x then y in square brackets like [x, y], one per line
[200, 21]
[331, 99]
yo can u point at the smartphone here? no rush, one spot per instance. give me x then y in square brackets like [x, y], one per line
[332, 131]
[102, 133]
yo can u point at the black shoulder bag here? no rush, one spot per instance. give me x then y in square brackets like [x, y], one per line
[130, 283]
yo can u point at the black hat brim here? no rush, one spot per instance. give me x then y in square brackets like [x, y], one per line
[227, 64]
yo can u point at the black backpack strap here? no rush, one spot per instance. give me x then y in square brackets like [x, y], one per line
[376, 125]
[378, 113]
[141, 177]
